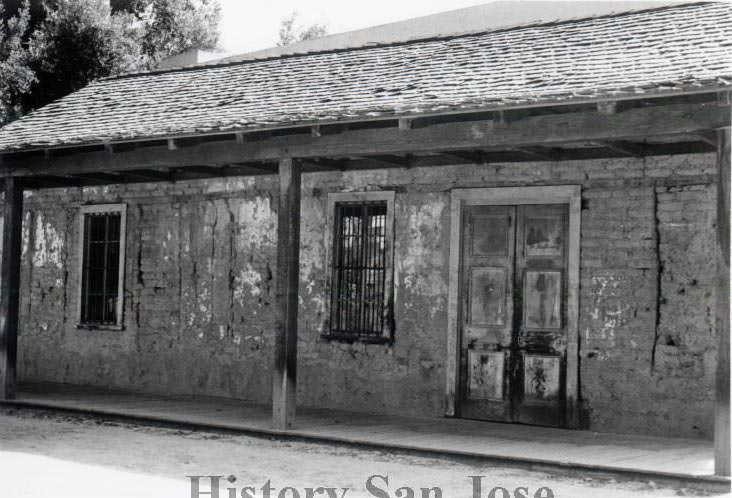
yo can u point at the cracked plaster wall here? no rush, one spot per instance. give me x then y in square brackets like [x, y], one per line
[199, 291]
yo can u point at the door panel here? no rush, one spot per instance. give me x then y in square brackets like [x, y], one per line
[487, 311]
[513, 309]
[541, 263]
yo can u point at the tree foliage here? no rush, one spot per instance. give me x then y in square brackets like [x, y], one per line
[173, 26]
[290, 32]
[78, 41]
[16, 75]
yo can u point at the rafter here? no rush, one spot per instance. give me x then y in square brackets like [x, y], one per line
[326, 164]
[549, 130]
[405, 161]
[150, 175]
[540, 153]
[625, 147]
[470, 156]
[709, 138]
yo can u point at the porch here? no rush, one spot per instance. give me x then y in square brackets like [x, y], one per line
[675, 461]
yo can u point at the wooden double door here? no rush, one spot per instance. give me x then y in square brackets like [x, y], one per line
[513, 325]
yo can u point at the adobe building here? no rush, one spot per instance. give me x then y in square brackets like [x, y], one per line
[526, 225]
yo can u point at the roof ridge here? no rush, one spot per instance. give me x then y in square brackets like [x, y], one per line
[531, 24]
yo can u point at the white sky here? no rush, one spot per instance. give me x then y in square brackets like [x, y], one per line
[248, 25]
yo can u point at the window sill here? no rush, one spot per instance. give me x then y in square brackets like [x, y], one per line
[352, 339]
[93, 326]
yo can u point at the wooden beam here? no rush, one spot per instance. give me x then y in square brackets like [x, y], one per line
[244, 170]
[41, 182]
[549, 130]
[470, 156]
[540, 153]
[102, 178]
[708, 138]
[625, 147]
[207, 171]
[406, 161]
[327, 164]
[722, 412]
[150, 175]
[10, 284]
[284, 389]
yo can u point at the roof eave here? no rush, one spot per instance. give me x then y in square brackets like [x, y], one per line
[391, 115]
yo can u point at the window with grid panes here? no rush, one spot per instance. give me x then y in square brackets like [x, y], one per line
[361, 271]
[102, 257]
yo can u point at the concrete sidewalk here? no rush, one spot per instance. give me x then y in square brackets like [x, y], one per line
[678, 462]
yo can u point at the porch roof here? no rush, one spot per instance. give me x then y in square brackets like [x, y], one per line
[664, 51]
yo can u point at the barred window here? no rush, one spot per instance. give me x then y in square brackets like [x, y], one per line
[361, 270]
[103, 228]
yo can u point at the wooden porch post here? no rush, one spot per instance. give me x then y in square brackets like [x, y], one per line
[284, 389]
[10, 281]
[722, 418]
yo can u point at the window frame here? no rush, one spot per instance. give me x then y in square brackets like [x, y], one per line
[84, 211]
[387, 196]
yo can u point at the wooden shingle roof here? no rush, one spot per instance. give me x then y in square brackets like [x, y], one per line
[661, 51]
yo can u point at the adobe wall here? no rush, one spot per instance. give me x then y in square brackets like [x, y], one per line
[199, 291]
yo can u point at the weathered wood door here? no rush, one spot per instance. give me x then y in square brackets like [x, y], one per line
[513, 313]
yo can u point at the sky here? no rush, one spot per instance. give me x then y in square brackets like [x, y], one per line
[248, 25]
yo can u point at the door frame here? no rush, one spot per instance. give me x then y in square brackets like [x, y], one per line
[570, 195]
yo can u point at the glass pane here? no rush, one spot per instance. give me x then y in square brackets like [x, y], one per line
[490, 235]
[544, 236]
[96, 228]
[487, 296]
[542, 299]
[113, 229]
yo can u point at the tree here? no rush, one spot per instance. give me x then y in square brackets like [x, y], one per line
[290, 33]
[174, 26]
[77, 41]
[16, 75]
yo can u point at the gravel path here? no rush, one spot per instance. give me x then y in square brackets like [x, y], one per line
[46, 454]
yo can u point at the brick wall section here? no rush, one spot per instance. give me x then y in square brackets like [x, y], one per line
[199, 290]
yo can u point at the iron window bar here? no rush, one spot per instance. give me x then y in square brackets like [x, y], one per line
[359, 274]
[100, 268]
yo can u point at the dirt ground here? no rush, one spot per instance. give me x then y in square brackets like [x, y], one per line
[47, 454]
